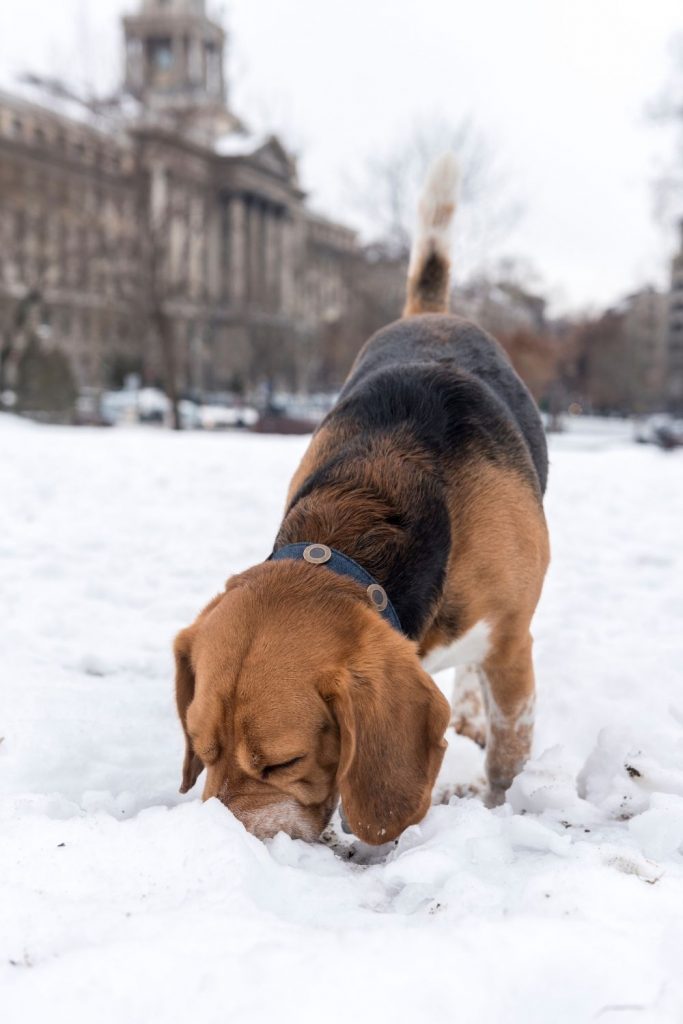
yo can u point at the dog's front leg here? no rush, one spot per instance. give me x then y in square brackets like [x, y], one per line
[508, 684]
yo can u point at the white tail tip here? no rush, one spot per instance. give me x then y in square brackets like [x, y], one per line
[429, 269]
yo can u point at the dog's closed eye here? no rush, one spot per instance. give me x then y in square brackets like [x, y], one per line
[270, 768]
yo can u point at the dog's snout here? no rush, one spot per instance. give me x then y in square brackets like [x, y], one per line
[266, 821]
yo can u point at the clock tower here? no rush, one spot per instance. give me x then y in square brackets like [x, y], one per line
[174, 65]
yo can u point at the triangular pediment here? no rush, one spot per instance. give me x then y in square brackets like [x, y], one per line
[273, 157]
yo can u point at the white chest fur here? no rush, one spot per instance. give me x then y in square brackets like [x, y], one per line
[469, 649]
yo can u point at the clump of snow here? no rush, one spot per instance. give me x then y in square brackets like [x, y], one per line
[121, 900]
[239, 144]
[547, 786]
[622, 774]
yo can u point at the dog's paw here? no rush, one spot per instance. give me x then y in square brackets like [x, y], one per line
[494, 796]
[473, 729]
[476, 788]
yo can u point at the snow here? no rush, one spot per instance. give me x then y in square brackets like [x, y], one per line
[239, 144]
[122, 901]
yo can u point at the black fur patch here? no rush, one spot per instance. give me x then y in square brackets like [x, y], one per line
[432, 282]
[432, 391]
[407, 551]
[478, 391]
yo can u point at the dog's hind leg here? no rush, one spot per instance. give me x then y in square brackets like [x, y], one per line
[468, 716]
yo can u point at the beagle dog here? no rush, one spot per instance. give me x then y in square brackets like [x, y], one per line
[413, 540]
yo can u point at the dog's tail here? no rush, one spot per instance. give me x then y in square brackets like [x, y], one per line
[429, 271]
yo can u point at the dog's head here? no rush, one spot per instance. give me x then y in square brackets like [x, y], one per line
[291, 692]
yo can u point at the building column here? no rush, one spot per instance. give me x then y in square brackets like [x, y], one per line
[270, 264]
[263, 256]
[179, 69]
[238, 264]
[194, 61]
[255, 241]
[278, 234]
[287, 270]
[212, 257]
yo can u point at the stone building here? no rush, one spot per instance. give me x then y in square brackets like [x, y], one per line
[674, 340]
[158, 213]
[644, 357]
[638, 359]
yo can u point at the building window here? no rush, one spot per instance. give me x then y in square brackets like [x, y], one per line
[212, 60]
[161, 53]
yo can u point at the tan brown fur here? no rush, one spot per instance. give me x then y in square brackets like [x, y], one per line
[496, 576]
[292, 661]
[287, 636]
[497, 567]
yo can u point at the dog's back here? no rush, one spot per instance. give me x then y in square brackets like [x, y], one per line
[453, 378]
[442, 372]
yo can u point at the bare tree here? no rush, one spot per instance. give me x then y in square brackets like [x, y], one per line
[27, 271]
[15, 314]
[166, 231]
[386, 191]
[667, 111]
[535, 356]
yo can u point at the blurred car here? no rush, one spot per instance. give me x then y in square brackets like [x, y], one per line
[222, 417]
[662, 429]
[150, 405]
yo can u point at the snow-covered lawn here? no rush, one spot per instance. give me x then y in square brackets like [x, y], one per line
[122, 902]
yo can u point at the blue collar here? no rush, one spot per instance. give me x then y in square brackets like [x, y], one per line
[321, 554]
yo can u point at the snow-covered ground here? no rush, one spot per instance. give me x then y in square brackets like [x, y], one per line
[121, 901]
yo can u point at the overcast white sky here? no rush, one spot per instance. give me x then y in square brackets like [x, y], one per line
[561, 89]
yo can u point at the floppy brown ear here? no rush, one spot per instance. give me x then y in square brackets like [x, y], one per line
[184, 691]
[184, 694]
[392, 718]
[184, 685]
